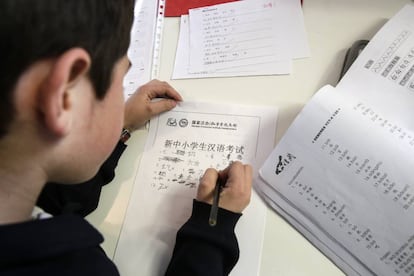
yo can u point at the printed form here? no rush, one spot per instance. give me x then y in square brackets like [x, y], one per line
[234, 34]
[182, 62]
[342, 174]
[181, 145]
[241, 38]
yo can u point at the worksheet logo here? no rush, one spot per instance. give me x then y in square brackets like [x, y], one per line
[283, 162]
[183, 122]
[172, 122]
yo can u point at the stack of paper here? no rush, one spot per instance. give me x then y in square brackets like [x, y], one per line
[342, 174]
[251, 37]
[141, 48]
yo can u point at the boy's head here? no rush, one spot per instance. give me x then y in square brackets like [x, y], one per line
[33, 30]
[62, 65]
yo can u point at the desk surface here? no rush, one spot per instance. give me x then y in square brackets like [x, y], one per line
[332, 26]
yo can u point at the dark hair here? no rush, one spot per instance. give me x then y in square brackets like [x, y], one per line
[32, 30]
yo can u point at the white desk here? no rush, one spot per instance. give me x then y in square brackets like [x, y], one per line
[332, 26]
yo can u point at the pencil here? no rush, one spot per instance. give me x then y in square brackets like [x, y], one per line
[214, 208]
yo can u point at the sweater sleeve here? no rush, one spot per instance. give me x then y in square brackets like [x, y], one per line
[82, 198]
[201, 249]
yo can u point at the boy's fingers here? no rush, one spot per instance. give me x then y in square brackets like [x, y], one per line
[164, 90]
[207, 184]
[160, 106]
[235, 173]
[239, 179]
[173, 94]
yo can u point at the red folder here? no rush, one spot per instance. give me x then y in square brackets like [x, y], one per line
[180, 7]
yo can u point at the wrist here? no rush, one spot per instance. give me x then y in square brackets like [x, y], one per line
[125, 135]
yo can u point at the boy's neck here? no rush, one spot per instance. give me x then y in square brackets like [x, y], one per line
[18, 194]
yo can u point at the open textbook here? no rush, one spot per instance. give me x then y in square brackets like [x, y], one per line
[181, 145]
[342, 173]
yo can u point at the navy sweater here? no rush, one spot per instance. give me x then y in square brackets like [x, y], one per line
[68, 245]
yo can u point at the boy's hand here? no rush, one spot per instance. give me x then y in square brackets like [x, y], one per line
[235, 195]
[139, 108]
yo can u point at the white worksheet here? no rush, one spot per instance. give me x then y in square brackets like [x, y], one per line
[285, 26]
[181, 145]
[182, 62]
[235, 34]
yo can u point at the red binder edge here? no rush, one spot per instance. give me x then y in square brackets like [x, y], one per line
[177, 11]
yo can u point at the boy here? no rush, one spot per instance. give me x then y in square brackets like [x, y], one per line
[61, 114]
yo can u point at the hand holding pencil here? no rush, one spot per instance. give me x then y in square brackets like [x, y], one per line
[232, 185]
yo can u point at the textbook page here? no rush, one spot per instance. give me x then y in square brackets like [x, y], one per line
[349, 176]
[383, 73]
[181, 145]
[346, 262]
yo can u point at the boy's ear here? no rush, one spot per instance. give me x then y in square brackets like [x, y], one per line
[55, 97]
